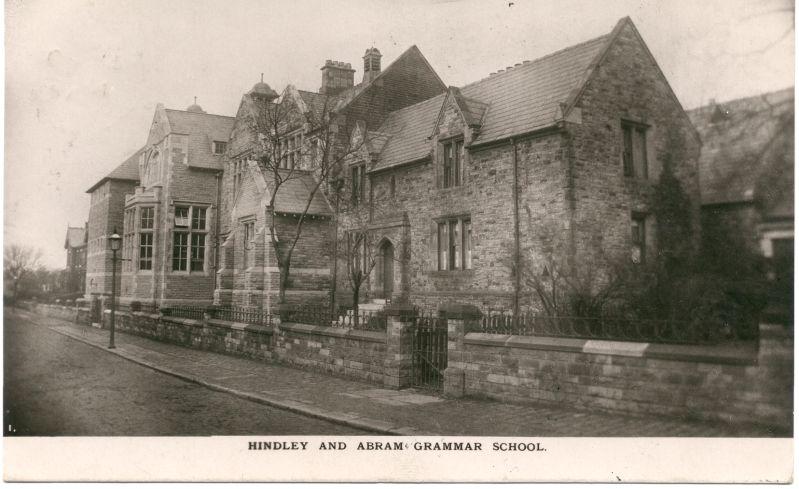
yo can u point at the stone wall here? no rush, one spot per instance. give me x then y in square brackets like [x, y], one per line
[740, 383]
[239, 339]
[626, 86]
[350, 353]
[743, 383]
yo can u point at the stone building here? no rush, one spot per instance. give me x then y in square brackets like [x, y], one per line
[547, 163]
[464, 194]
[170, 218]
[106, 213]
[746, 172]
[249, 273]
[75, 273]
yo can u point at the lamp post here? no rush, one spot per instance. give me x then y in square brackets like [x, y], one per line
[114, 242]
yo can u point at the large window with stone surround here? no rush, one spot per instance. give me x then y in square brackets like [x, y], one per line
[634, 157]
[129, 239]
[146, 219]
[454, 243]
[189, 239]
[451, 159]
[249, 242]
[291, 151]
[238, 171]
[358, 183]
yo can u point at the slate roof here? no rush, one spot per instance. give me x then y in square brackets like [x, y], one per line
[527, 96]
[128, 170]
[292, 196]
[410, 129]
[316, 102]
[747, 151]
[472, 110]
[76, 237]
[521, 99]
[352, 93]
[203, 129]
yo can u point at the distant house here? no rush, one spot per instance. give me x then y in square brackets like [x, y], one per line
[75, 244]
[746, 173]
[105, 215]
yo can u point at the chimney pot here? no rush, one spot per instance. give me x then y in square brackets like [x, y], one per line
[337, 76]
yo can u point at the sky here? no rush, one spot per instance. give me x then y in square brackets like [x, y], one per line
[83, 77]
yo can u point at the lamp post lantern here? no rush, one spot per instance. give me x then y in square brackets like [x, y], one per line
[114, 242]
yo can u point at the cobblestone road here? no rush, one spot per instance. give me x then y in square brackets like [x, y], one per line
[404, 412]
[55, 385]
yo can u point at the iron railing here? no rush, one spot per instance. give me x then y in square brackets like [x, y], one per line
[601, 328]
[147, 307]
[187, 312]
[249, 315]
[322, 316]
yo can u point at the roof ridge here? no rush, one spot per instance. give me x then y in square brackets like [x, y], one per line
[414, 105]
[199, 113]
[525, 63]
[750, 97]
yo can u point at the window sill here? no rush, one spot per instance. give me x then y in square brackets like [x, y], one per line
[187, 274]
[638, 180]
[453, 188]
[451, 273]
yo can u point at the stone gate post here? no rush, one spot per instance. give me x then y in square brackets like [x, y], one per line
[399, 342]
[460, 318]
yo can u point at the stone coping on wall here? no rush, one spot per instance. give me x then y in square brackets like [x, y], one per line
[733, 353]
[253, 328]
[373, 336]
[220, 323]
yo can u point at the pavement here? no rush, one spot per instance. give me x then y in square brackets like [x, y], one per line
[56, 386]
[384, 411]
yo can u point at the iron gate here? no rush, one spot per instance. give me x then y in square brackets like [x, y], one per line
[429, 352]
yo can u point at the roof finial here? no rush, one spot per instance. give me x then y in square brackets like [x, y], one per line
[262, 77]
[195, 100]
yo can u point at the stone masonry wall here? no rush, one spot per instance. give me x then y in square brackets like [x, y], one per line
[238, 339]
[486, 197]
[350, 353]
[627, 85]
[752, 384]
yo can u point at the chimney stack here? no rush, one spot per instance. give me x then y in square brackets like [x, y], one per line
[336, 77]
[371, 64]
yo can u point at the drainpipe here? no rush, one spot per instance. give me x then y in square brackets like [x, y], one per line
[217, 216]
[516, 250]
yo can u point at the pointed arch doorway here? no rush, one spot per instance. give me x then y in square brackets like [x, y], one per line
[385, 270]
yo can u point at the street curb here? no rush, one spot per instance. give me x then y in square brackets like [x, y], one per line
[298, 407]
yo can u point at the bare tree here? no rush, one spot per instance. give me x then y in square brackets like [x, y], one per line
[361, 255]
[307, 146]
[18, 262]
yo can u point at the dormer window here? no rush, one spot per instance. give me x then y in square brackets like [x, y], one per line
[220, 147]
[452, 163]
